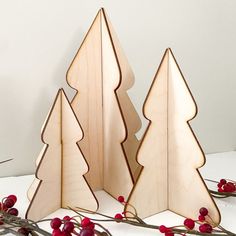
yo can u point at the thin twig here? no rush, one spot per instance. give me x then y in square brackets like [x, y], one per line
[223, 194]
[1, 162]
[16, 222]
[106, 230]
[174, 230]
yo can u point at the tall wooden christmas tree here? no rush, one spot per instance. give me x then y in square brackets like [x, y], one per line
[170, 153]
[61, 167]
[101, 75]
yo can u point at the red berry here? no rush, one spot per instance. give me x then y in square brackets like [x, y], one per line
[209, 228]
[55, 223]
[23, 231]
[203, 211]
[67, 218]
[219, 185]
[65, 233]
[87, 232]
[56, 232]
[4, 208]
[232, 186]
[91, 225]
[229, 187]
[13, 211]
[9, 203]
[202, 228]
[169, 234]
[13, 197]
[69, 227]
[118, 216]
[189, 223]
[121, 199]
[85, 222]
[163, 229]
[226, 188]
[201, 218]
[223, 181]
[1, 222]
[205, 228]
[220, 190]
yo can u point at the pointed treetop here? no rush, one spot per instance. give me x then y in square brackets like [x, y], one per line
[169, 84]
[100, 40]
[52, 130]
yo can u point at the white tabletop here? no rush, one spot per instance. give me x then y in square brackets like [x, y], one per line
[220, 165]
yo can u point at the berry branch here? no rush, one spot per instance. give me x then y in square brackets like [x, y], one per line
[226, 188]
[205, 224]
[80, 225]
[205, 229]
[11, 223]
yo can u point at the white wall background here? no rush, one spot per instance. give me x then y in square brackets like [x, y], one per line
[39, 38]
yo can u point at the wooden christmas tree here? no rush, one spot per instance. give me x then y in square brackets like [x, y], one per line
[169, 152]
[101, 75]
[61, 167]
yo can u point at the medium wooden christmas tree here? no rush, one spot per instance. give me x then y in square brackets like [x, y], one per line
[61, 167]
[170, 153]
[101, 75]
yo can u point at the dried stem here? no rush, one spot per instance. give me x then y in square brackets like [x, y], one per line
[222, 194]
[14, 222]
[149, 226]
[1, 162]
[217, 194]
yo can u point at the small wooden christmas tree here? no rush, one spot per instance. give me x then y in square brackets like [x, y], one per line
[101, 75]
[62, 166]
[169, 153]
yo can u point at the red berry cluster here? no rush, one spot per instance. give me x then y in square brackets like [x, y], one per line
[7, 205]
[66, 227]
[189, 224]
[167, 231]
[205, 227]
[87, 227]
[226, 186]
[119, 216]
